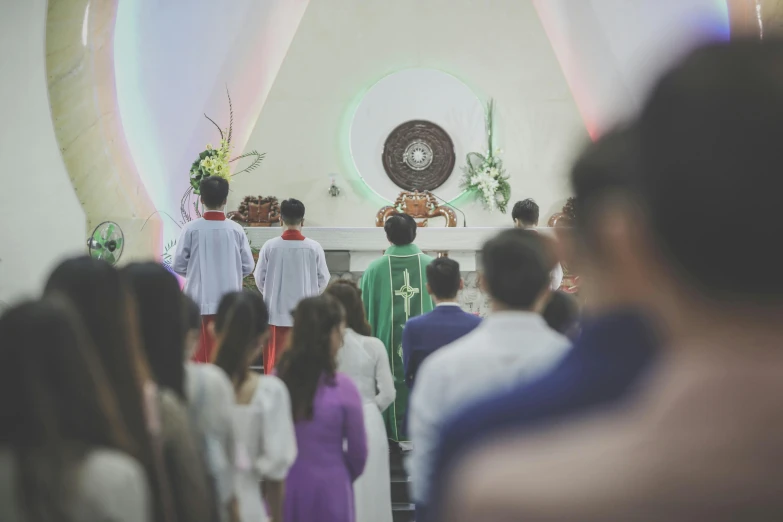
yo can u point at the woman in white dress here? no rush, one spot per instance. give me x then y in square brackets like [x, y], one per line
[263, 423]
[364, 359]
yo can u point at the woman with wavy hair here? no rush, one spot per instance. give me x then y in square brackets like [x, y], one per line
[363, 358]
[263, 425]
[327, 409]
[65, 453]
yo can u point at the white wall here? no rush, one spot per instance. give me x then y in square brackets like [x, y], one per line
[342, 47]
[42, 221]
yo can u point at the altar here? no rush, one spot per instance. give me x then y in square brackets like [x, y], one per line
[353, 249]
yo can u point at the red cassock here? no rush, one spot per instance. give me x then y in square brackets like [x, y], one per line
[206, 343]
[278, 339]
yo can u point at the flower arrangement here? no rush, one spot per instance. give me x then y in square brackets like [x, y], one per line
[485, 177]
[215, 162]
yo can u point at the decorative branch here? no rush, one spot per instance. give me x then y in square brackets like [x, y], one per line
[231, 119]
[216, 125]
[256, 163]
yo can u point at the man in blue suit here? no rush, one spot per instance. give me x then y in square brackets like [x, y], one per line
[444, 325]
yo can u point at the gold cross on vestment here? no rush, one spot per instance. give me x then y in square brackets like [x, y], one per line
[407, 292]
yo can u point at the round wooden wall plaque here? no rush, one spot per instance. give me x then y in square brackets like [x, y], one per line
[418, 155]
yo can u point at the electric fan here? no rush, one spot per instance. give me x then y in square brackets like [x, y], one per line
[106, 242]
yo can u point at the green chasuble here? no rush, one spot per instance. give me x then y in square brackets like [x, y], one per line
[394, 289]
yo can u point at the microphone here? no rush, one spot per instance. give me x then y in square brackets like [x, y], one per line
[464, 219]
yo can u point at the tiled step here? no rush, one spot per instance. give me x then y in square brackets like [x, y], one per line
[400, 489]
[403, 512]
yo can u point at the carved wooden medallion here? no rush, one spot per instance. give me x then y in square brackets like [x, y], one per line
[418, 155]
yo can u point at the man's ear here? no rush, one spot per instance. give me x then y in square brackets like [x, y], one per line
[482, 283]
[429, 289]
[461, 284]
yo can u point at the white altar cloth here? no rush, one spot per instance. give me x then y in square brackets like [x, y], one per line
[364, 244]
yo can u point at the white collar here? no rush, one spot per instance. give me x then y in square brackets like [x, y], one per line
[450, 303]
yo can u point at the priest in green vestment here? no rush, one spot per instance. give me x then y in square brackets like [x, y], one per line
[394, 289]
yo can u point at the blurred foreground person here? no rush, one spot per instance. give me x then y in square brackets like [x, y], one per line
[701, 438]
[108, 310]
[264, 428]
[64, 451]
[617, 344]
[327, 409]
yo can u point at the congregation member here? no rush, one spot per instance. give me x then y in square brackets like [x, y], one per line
[701, 438]
[425, 334]
[562, 313]
[290, 268]
[106, 306]
[65, 452]
[525, 214]
[161, 318]
[213, 255]
[210, 401]
[394, 288]
[617, 345]
[263, 423]
[363, 358]
[327, 410]
[513, 344]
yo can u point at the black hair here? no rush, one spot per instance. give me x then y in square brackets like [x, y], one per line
[561, 312]
[214, 191]
[192, 314]
[516, 265]
[161, 322]
[400, 229]
[603, 169]
[242, 318]
[526, 211]
[710, 161]
[309, 356]
[56, 405]
[444, 277]
[292, 212]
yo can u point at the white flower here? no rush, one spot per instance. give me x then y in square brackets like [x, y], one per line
[494, 172]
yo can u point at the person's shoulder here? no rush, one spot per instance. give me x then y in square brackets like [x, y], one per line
[373, 343]
[312, 243]
[210, 375]
[271, 384]
[106, 470]
[382, 261]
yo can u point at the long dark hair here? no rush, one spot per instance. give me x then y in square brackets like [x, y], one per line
[241, 319]
[55, 404]
[350, 296]
[108, 312]
[309, 356]
[161, 322]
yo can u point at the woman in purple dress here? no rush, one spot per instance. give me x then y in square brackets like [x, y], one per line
[328, 417]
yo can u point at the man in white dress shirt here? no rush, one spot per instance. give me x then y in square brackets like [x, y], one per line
[290, 268]
[525, 215]
[513, 344]
[213, 255]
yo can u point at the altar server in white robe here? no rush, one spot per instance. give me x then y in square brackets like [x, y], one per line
[525, 215]
[213, 255]
[290, 268]
[363, 358]
[512, 345]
